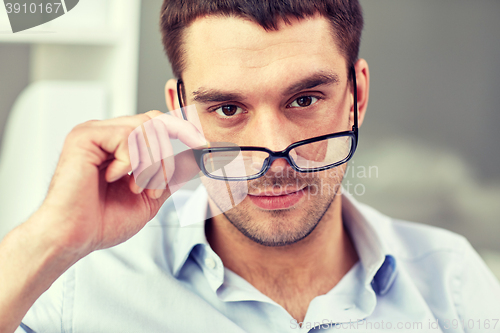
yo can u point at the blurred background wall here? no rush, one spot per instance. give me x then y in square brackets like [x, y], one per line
[433, 116]
[14, 77]
[429, 146]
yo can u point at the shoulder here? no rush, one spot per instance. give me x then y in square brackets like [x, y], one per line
[444, 263]
[441, 264]
[412, 240]
[417, 240]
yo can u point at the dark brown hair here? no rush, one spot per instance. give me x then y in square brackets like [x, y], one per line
[344, 15]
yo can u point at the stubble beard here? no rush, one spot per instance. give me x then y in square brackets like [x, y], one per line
[275, 228]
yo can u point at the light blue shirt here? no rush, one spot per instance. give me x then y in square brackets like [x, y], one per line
[409, 277]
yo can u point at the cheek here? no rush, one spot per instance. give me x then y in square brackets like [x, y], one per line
[330, 180]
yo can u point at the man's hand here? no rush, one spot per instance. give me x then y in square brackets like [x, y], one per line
[93, 203]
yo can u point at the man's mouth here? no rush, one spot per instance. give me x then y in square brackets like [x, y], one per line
[277, 199]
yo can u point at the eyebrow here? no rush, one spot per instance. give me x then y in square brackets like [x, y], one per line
[203, 95]
[320, 78]
[315, 80]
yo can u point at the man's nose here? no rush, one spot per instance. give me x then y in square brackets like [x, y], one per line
[279, 166]
[271, 129]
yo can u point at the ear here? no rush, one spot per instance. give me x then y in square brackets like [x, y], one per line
[171, 98]
[363, 88]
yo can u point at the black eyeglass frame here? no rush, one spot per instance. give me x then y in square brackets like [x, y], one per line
[274, 155]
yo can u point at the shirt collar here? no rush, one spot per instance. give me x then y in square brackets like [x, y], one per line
[192, 227]
[369, 231]
[366, 227]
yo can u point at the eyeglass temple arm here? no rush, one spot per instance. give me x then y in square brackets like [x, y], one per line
[355, 92]
[180, 94]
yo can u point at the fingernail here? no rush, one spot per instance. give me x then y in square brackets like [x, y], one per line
[158, 193]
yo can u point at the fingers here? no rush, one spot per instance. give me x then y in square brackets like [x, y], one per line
[153, 145]
[182, 130]
[141, 144]
[159, 144]
[152, 159]
[178, 129]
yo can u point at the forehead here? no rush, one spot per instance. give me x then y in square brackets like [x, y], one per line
[236, 49]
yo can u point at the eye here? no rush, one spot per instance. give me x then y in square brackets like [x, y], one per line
[303, 102]
[228, 110]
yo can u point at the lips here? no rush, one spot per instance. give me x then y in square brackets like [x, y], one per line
[270, 200]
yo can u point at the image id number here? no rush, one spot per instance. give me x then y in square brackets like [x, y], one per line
[32, 8]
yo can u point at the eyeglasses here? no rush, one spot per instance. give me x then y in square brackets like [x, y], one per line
[241, 163]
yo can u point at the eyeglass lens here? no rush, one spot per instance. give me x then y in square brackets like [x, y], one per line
[244, 163]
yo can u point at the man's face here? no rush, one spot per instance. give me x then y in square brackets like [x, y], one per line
[252, 87]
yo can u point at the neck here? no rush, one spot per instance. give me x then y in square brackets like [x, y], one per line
[310, 267]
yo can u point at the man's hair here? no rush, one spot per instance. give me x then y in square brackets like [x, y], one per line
[344, 16]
